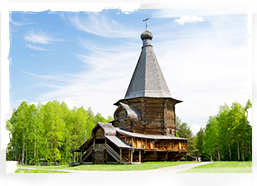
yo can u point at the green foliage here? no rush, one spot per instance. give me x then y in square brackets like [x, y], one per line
[100, 118]
[47, 132]
[184, 131]
[228, 135]
[110, 119]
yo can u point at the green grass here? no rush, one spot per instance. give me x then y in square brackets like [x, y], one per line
[37, 171]
[112, 167]
[223, 167]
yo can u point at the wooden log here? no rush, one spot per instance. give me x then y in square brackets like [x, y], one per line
[143, 108]
[154, 101]
[131, 155]
[120, 155]
[139, 159]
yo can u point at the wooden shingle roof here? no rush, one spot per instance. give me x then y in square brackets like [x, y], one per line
[108, 128]
[147, 79]
[131, 112]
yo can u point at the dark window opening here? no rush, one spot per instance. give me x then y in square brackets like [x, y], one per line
[99, 141]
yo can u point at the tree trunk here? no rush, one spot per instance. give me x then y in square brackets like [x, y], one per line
[16, 156]
[219, 154]
[22, 158]
[35, 147]
[238, 152]
[230, 152]
[211, 157]
[26, 156]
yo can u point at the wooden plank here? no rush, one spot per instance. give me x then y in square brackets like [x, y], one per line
[153, 110]
[154, 116]
[99, 132]
[154, 107]
[153, 101]
[139, 159]
[120, 155]
[143, 108]
[139, 143]
[134, 142]
[131, 155]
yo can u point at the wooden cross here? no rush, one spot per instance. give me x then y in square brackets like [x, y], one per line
[146, 22]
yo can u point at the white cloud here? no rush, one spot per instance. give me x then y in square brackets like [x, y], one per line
[16, 23]
[38, 37]
[100, 25]
[35, 47]
[45, 77]
[33, 39]
[195, 128]
[22, 21]
[70, 102]
[189, 19]
[101, 86]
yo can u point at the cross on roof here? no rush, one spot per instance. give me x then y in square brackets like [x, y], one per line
[146, 22]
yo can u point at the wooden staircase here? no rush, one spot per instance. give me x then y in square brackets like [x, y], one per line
[116, 155]
[87, 154]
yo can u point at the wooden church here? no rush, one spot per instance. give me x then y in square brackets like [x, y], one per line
[144, 127]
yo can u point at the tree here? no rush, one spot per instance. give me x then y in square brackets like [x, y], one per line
[90, 113]
[79, 125]
[110, 119]
[47, 132]
[210, 143]
[199, 143]
[54, 115]
[184, 131]
[228, 134]
[100, 118]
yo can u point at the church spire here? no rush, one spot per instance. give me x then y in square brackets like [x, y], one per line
[147, 79]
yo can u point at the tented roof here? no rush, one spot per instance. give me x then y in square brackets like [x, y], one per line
[147, 79]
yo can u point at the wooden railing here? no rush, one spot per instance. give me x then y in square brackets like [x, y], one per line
[88, 152]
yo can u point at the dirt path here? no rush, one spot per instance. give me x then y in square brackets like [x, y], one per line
[173, 169]
[177, 168]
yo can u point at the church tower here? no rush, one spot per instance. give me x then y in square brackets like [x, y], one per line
[147, 107]
[144, 126]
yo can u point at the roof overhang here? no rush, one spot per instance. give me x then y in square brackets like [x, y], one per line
[170, 98]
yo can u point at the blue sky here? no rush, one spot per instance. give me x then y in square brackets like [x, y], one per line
[87, 58]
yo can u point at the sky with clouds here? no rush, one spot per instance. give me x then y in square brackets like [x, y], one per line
[88, 58]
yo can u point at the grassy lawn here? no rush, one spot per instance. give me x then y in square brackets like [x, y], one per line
[37, 171]
[112, 167]
[223, 167]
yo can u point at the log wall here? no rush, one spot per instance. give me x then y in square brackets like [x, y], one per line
[158, 116]
[152, 144]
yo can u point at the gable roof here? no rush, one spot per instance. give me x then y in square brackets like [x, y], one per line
[108, 128]
[147, 79]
